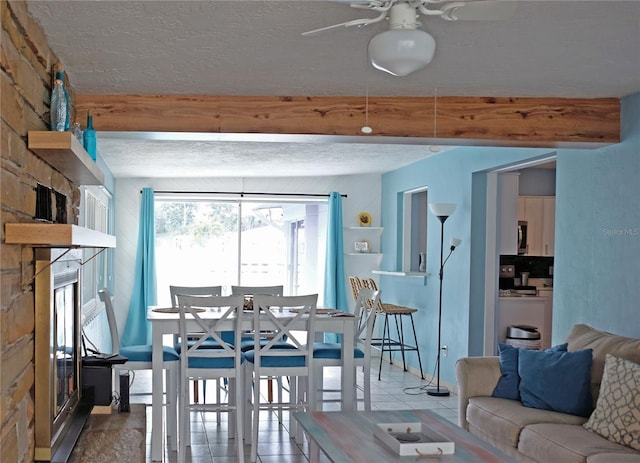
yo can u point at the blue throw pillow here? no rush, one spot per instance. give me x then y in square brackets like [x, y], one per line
[558, 381]
[508, 386]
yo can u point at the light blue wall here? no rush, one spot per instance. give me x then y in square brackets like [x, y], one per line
[450, 178]
[597, 274]
[597, 246]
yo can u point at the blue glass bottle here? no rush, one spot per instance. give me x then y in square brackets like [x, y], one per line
[89, 138]
[59, 110]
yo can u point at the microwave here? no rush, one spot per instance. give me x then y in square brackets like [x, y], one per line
[522, 237]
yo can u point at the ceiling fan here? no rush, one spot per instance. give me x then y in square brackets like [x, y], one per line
[404, 48]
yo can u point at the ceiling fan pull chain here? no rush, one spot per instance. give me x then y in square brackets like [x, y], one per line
[366, 129]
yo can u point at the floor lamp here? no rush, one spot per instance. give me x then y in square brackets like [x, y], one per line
[442, 211]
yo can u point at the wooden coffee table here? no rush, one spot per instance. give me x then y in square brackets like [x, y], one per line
[347, 437]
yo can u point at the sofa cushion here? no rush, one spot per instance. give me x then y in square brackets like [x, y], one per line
[552, 442]
[606, 457]
[502, 420]
[558, 381]
[509, 382]
[508, 386]
[602, 343]
[617, 413]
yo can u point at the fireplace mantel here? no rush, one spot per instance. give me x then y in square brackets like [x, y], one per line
[56, 235]
[65, 153]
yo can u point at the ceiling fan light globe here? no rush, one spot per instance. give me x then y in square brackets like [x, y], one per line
[401, 52]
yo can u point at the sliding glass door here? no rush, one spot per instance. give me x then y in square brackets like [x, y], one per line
[206, 242]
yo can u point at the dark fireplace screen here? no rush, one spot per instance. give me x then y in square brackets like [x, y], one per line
[66, 382]
[57, 349]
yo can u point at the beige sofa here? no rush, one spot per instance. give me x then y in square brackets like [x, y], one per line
[532, 435]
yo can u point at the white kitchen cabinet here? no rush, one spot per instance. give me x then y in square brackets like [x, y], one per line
[548, 225]
[539, 212]
[508, 210]
[521, 207]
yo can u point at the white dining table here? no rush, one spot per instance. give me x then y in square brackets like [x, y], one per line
[165, 323]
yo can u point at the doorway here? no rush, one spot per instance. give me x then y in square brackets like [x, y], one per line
[494, 225]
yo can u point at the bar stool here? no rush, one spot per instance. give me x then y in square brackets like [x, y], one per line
[386, 343]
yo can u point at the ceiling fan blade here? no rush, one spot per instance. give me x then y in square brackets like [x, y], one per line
[480, 10]
[354, 22]
[370, 4]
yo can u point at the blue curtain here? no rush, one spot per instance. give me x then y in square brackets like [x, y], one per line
[137, 330]
[334, 280]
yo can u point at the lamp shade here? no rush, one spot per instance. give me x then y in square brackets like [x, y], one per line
[442, 209]
[401, 51]
[455, 242]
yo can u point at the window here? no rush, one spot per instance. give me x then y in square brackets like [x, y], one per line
[236, 241]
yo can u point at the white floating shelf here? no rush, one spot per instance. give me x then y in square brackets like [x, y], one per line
[401, 274]
[64, 152]
[56, 235]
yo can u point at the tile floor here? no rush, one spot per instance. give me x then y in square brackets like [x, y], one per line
[395, 390]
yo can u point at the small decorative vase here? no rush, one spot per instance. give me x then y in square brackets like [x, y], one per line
[89, 138]
[59, 110]
[422, 262]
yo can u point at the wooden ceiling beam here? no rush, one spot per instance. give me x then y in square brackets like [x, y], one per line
[535, 122]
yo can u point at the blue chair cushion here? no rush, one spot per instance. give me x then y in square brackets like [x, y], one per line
[332, 350]
[203, 362]
[247, 344]
[210, 343]
[284, 361]
[142, 353]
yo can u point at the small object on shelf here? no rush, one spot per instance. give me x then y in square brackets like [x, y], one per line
[77, 131]
[411, 439]
[364, 219]
[61, 207]
[59, 108]
[43, 204]
[89, 138]
[422, 265]
[362, 246]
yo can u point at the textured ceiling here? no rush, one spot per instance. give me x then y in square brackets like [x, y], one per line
[240, 155]
[548, 48]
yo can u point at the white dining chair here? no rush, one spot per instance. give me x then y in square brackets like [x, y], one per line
[276, 290]
[247, 341]
[249, 292]
[139, 358]
[206, 363]
[273, 359]
[193, 291]
[330, 354]
[197, 291]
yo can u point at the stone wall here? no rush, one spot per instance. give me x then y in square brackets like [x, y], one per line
[25, 86]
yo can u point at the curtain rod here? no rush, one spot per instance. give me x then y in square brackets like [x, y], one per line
[242, 193]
